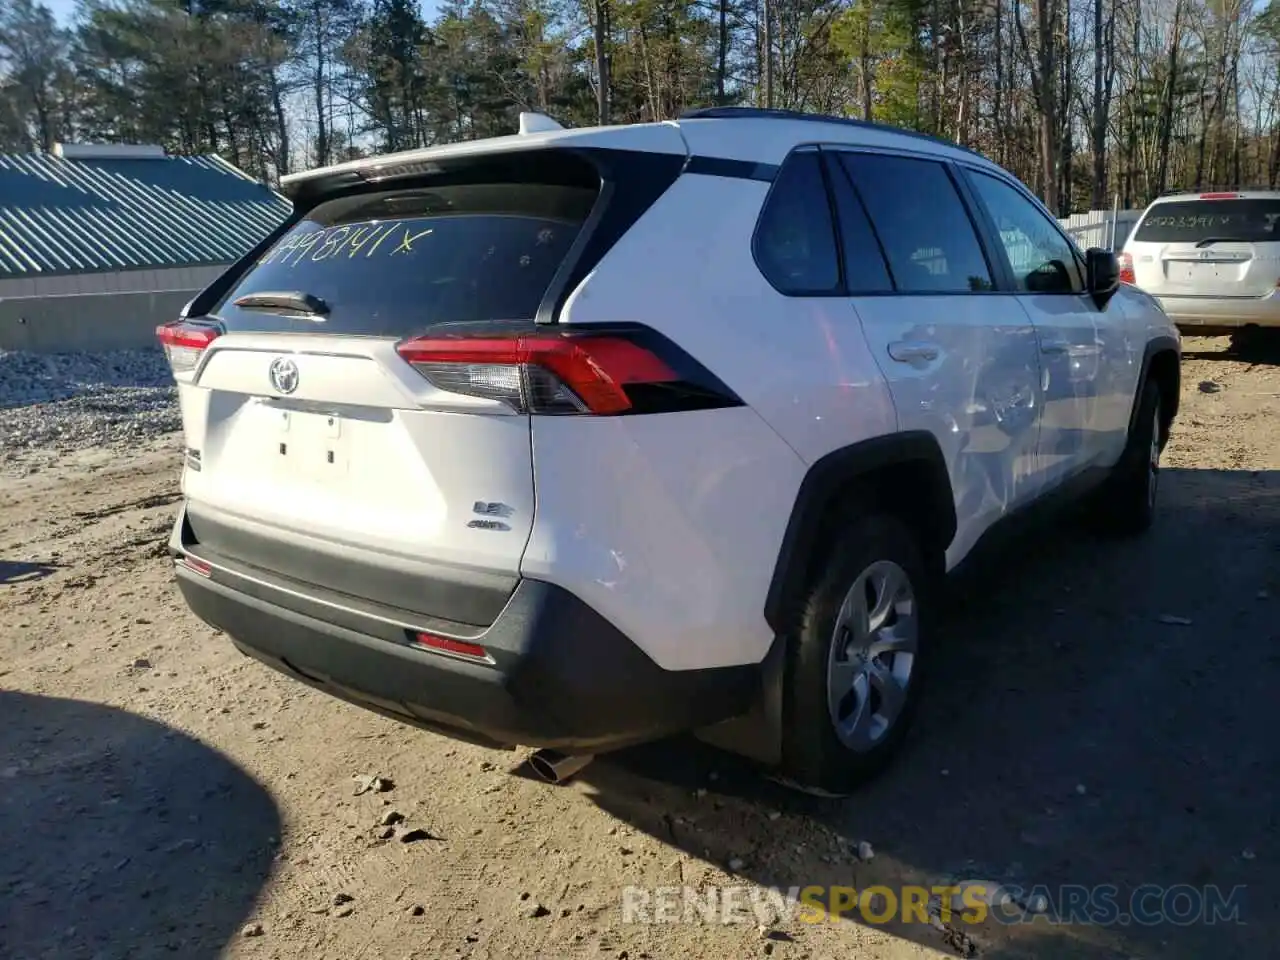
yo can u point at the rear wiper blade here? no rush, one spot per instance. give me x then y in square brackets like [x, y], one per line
[285, 301]
[1207, 241]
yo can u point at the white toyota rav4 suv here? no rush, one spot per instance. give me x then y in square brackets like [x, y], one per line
[574, 439]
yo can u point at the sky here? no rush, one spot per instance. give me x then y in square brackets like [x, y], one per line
[64, 10]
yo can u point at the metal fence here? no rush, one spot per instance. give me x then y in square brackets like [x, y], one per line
[1094, 229]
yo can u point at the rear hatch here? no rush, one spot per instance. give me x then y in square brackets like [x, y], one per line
[323, 446]
[1215, 246]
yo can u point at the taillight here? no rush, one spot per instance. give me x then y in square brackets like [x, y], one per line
[1126, 268]
[583, 370]
[1219, 196]
[183, 343]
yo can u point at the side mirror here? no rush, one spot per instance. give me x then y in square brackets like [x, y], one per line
[1103, 274]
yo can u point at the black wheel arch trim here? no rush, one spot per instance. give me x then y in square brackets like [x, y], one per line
[1163, 344]
[825, 480]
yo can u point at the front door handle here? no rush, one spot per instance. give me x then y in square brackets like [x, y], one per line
[913, 351]
[1054, 346]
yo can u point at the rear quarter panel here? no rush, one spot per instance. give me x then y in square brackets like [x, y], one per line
[687, 270]
[670, 525]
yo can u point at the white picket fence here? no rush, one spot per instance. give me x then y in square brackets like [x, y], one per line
[1094, 229]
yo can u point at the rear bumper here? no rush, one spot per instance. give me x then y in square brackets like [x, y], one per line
[1223, 313]
[561, 675]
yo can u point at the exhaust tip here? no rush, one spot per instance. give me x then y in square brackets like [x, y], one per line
[555, 767]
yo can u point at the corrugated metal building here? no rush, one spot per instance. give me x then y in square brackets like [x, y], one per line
[99, 244]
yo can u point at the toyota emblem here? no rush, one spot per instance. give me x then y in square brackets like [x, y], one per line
[284, 375]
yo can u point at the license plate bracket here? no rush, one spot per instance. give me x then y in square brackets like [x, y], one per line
[1184, 271]
[311, 448]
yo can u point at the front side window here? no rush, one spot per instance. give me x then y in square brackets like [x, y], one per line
[1041, 258]
[922, 223]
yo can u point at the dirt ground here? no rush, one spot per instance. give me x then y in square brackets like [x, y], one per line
[1102, 714]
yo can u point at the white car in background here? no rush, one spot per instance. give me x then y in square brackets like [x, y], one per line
[1211, 259]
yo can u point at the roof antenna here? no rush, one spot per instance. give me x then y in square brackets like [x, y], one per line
[537, 123]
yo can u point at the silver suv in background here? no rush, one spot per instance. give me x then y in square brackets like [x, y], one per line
[1211, 259]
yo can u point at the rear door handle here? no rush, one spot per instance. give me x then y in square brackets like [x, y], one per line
[1054, 346]
[913, 351]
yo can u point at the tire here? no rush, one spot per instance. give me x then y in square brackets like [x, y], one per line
[1246, 340]
[878, 555]
[1126, 504]
[1255, 344]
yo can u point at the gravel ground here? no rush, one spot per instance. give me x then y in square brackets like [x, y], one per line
[1103, 715]
[52, 404]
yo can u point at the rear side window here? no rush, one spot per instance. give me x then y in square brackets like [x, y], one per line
[795, 243]
[1194, 221]
[922, 223]
[864, 266]
[393, 262]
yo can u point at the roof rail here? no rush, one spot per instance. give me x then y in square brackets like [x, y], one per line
[1231, 188]
[762, 113]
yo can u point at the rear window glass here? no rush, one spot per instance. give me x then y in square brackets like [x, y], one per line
[1193, 221]
[391, 263]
